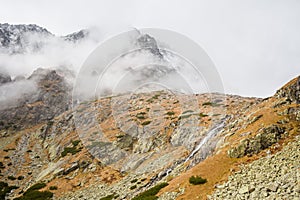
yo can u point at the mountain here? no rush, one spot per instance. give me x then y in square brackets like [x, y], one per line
[154, 144]
[16, 39]
[119, 146]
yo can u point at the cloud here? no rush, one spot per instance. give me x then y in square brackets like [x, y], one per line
[48, 52]
[11, 93]
[254, 44]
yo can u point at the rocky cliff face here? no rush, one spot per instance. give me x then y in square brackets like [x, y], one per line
[120, 146]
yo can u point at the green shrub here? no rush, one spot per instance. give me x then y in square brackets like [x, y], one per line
[5, 189]
[156, 96]
[36, 186]
[133, 187]
[140, 116]
[53, 188]
[196, 180]
[207, 104]
[72, 150]
[141, 113]
[2, 165]
[20, 178]
[108, 197]
[203, 115]
[170, 113]
[210, 104]
[36, 195]
[33, 194]
[150, 194]
[3, 185]
[75, 143]
[145, 123]
[133, 180]
[11, 178]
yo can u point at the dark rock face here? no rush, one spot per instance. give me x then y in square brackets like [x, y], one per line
[149, 43]
[77, 36]
[4, 78]
[290, 92]
[265, 138]
[51, 99]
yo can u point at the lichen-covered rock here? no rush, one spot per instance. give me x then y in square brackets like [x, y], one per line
[290, 91]
[265, 138]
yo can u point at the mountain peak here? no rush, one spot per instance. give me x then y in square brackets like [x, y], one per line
[27, 38]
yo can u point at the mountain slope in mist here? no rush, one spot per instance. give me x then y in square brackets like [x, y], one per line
[16, 39]
[119, 146]
[24, 48]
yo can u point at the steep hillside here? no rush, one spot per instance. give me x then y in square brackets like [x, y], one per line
[119, 146]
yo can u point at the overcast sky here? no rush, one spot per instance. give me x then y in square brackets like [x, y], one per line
[255, 44]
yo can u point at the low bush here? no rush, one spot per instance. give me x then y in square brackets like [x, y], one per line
[170, 113]
[33, 193]
[203, 115]
[150, 194]
[36, 186]
[139, 116]
[133, 180]
[145, 123]
[75, 143]
[36, 195]
[72, 150]
[53, 188]
[5, 189]
[11, 178]
[197, 180]
[210, 104]
[108, 197]
[133, 187]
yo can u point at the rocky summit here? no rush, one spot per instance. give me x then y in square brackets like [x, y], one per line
[148, 145]
[31, 38]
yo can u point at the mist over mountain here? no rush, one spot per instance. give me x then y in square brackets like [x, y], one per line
[31, 38]
[23, 48]
[119, 138]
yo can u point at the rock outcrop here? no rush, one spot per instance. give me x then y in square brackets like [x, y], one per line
[291, 91]
[264, 139]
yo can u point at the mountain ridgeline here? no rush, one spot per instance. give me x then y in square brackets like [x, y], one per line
[149, 145]
[19, 39]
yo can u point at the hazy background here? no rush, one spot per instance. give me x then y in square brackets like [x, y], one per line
[254, 44]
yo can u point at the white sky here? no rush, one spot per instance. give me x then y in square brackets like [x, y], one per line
[255, 44]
